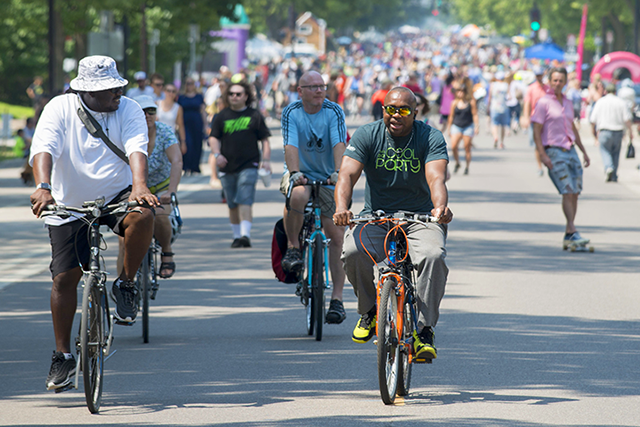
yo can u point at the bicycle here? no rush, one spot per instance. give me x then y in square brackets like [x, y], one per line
[95, 334]
[397, 317]
[147, 275]
[314, 245]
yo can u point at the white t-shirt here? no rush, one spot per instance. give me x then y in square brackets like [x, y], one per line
[610, 113]
[84, 168]
[135, 92]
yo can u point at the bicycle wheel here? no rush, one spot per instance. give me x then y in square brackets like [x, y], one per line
[307, 296]
[404, 371]
[93, 340]
[388, 349]
[144, 288]
[318, 285]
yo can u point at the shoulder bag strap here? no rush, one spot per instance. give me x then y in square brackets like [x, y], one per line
[96, 131]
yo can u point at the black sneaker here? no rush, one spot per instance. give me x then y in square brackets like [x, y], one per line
[126, 296]
[62, 371]
[245, 242]
[336, 313]
[292, 260]
[237, 243]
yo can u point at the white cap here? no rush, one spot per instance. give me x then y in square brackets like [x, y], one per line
[97, 73]
[145, 101]
[499, 75]
[140, 75]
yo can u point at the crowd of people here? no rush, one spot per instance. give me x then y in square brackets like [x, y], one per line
[418, 88]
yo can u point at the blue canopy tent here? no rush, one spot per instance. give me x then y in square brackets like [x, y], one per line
[544, 51]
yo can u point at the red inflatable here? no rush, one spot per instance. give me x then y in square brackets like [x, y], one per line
[614, 60]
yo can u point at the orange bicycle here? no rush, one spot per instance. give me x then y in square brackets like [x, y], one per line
[397, 315]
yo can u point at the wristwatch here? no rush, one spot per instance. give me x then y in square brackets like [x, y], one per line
[215, 155]
[44, 186]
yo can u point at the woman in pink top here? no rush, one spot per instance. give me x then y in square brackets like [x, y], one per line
[447, 97]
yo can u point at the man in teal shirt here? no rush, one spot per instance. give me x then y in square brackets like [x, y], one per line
[405, 162]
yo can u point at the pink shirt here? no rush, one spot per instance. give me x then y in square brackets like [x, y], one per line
[534, 92]
[556, 120]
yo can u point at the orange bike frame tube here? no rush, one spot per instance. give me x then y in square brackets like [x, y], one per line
[400, 298]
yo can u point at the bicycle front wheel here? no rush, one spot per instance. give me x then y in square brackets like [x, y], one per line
[388, 349]
[318, 285]
[144, 289]
[93, 341]
[404, 371]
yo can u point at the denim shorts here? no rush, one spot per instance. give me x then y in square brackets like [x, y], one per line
[566, 173]
[501, 119]
[468, 131]
[240, 187]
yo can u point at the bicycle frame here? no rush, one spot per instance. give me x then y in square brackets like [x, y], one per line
[317, 224]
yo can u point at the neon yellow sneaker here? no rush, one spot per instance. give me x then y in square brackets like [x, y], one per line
[423, 347]
[365, 328]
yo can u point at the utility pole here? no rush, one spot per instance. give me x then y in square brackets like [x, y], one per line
[143, 38]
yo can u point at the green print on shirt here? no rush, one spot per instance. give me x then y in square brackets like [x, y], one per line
[398, 159]
[236, 125]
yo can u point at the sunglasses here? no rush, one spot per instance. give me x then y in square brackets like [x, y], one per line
[236, 94]
[115, 90]
[150, 111]
[170, 90]
[315, 87]
[403, 111]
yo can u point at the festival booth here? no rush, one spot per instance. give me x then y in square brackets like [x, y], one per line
[614, 60]
[550, 51]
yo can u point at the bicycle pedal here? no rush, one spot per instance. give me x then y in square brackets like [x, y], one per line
[120, 322]
[428, 361]
[65, 388]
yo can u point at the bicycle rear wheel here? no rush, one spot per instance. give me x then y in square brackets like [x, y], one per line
[404, 371]
[93, 340]
[318, 285]
[388, 349]
[144, 289]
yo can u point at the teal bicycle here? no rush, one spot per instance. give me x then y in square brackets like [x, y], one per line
[314, 276]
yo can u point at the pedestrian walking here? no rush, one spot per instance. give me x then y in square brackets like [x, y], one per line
[194, 116]
[556, 136]
[609, 118]
[463, 122]
[142, 88]
[500, 116]
[236, 132]
[535, 91]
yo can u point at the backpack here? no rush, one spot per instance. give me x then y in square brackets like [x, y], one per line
[278, 249]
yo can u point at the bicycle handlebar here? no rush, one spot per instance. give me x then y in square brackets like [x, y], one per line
[309, 183]
[400, 215]
[95, 209]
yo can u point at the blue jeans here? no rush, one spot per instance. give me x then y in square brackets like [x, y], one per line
[610, 143]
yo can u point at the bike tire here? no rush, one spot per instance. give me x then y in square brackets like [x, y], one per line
[93, 324]
[404, 371]
[145, 289]
[318, 285]
[388, 349]
[307, 295]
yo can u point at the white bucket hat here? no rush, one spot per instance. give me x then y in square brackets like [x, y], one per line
[96, 73]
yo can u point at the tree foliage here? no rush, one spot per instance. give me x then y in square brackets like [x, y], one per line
[559, 17]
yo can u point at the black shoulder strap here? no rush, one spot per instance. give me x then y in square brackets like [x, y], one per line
[96, 131]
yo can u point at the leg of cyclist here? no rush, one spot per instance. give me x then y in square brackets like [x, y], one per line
[137, 228]
[427, 251]
[359, 269]
[63, 306]
[293, 220]
[336, 313]
[162, 233]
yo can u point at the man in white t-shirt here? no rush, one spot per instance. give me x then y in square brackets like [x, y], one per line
[142, 89]
[71, 166]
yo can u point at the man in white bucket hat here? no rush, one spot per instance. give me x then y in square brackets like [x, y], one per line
[71, 166]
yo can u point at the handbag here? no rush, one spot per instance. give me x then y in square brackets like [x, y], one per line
[96, 131]
[631, 151]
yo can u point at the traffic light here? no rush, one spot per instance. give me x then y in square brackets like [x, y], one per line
[534, 14]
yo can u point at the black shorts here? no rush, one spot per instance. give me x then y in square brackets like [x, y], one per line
[70, 241]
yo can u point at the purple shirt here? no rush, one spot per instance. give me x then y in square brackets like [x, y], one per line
[556, 120]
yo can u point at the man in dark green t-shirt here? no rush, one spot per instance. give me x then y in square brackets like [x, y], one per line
[405, 162]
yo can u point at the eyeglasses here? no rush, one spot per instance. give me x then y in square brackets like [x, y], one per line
[315, 87]
[150, 111]
[170, 90]
[158, 84]
[115, 90]
[238, 94]
[459, 90]
[403, 111]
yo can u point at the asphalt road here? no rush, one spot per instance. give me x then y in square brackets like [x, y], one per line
[529, 335]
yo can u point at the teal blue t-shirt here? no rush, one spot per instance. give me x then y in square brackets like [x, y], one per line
[395, 168]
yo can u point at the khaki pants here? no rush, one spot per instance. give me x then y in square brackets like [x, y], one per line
[427, 252]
